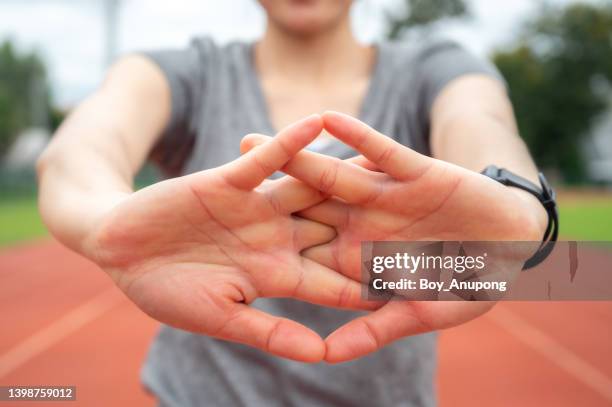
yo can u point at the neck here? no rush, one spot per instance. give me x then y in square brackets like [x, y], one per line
[311, 58]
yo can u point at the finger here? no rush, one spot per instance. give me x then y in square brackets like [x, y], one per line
[290, 195]
[278, 336]
[333, 176]
[369, 333]
[398, 161]
[309, 234]
[342, 258]
[253, 168]
[363, 162]
[250, 141]
[214, 303]
[323, 255]
[351, 179]
[331, 212]
[319, 285]
[253, 140]
[395, 320]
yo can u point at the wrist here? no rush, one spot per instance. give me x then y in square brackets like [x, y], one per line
[72, 215]
[102, 208]
[535, 209]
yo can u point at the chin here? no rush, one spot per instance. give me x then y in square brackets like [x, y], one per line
[306, 17]
[304, 26]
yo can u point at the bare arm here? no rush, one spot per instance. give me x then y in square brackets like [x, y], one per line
[90, 164]
[473, 125]
[192, 252]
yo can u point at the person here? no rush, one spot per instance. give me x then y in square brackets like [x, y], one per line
[226, 257]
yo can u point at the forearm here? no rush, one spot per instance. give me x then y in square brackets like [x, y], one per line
[482, 131]
[478, 140]
[90, 164]
[80, 178]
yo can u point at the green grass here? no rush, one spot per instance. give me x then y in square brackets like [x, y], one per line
[586, 219]
[19, 220]
[581, 219]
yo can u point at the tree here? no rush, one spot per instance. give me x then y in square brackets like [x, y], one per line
[559, 74]
[422, 13]
[22, 84]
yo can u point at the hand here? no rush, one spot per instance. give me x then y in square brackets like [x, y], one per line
[194, 252]
[415, 198]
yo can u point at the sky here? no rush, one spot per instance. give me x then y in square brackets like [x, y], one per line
[69, 34]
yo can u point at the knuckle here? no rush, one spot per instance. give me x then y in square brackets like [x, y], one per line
[299, 283]
[345, 295]
[263, 166]
[362, 139]
[274, 202]
[386, 155]
[371, 332]
[271, 334]
[286, 151]
[372, 193]
[329, 177]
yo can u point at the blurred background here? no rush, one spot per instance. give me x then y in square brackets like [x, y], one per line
[70, 326]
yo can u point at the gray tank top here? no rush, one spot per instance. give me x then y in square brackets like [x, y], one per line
[216, 100]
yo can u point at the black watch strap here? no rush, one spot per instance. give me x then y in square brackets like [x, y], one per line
[546, 195]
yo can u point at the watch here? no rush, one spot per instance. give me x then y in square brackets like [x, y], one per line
[545, 194]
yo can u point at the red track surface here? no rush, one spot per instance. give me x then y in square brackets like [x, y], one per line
[63, 323]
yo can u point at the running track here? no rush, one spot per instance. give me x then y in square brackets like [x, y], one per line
[63, 323]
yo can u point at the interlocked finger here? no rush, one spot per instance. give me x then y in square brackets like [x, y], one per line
[253, 168]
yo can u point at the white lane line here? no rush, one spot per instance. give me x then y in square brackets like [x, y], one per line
[59, 329]
[554, 351]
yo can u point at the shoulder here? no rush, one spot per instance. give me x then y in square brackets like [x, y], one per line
[435, 61]
[199, 63]
[415, 53]
[208, 48]
[203, 50]
[407, 64]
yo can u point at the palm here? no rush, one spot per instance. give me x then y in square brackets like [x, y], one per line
[193, 252]
[441, 213]
[453, 204]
